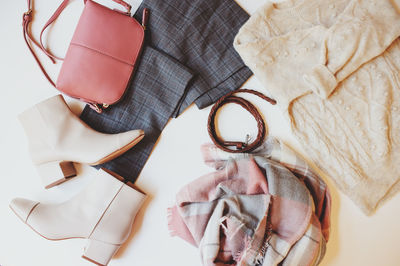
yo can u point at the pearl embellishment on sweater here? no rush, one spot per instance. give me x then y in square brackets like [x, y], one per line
[269, 60]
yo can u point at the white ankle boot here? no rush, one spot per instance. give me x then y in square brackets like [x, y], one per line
[103, 213]
[57, 138]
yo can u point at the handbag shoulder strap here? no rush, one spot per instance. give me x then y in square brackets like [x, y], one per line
[56, 14]
[29, 40]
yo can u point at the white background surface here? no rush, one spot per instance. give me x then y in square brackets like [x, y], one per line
[176, 160]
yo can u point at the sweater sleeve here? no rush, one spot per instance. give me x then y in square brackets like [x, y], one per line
[363, 31]
[279, 58]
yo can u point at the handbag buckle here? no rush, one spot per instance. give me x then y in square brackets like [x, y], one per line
[96, 107]
[127, 13]
[27, 13]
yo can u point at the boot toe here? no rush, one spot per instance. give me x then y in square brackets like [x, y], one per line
[23, 207]
[130, 138]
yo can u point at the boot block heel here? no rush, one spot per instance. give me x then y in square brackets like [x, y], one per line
[55, 173]
[99, 252]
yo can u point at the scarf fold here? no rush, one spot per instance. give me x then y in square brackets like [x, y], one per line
[263, 208]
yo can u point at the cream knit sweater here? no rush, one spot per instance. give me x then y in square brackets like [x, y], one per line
[333, 66]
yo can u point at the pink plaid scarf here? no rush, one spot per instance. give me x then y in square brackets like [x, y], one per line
[264, 208]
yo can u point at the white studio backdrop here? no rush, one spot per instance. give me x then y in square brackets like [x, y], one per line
[176, 160]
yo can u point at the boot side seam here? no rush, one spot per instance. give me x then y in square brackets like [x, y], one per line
[30, 212]
[105, 211]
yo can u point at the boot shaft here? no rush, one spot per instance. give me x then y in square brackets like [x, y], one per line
[103, 211]
[44, 124]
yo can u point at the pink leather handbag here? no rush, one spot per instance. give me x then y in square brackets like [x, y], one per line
[102, 55]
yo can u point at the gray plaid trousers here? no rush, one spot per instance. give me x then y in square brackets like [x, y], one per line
[188, 57]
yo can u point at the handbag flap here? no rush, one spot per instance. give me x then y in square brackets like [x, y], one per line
[101, 56]
[109, 32]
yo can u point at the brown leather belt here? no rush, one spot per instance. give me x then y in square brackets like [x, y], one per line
[241, 147]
